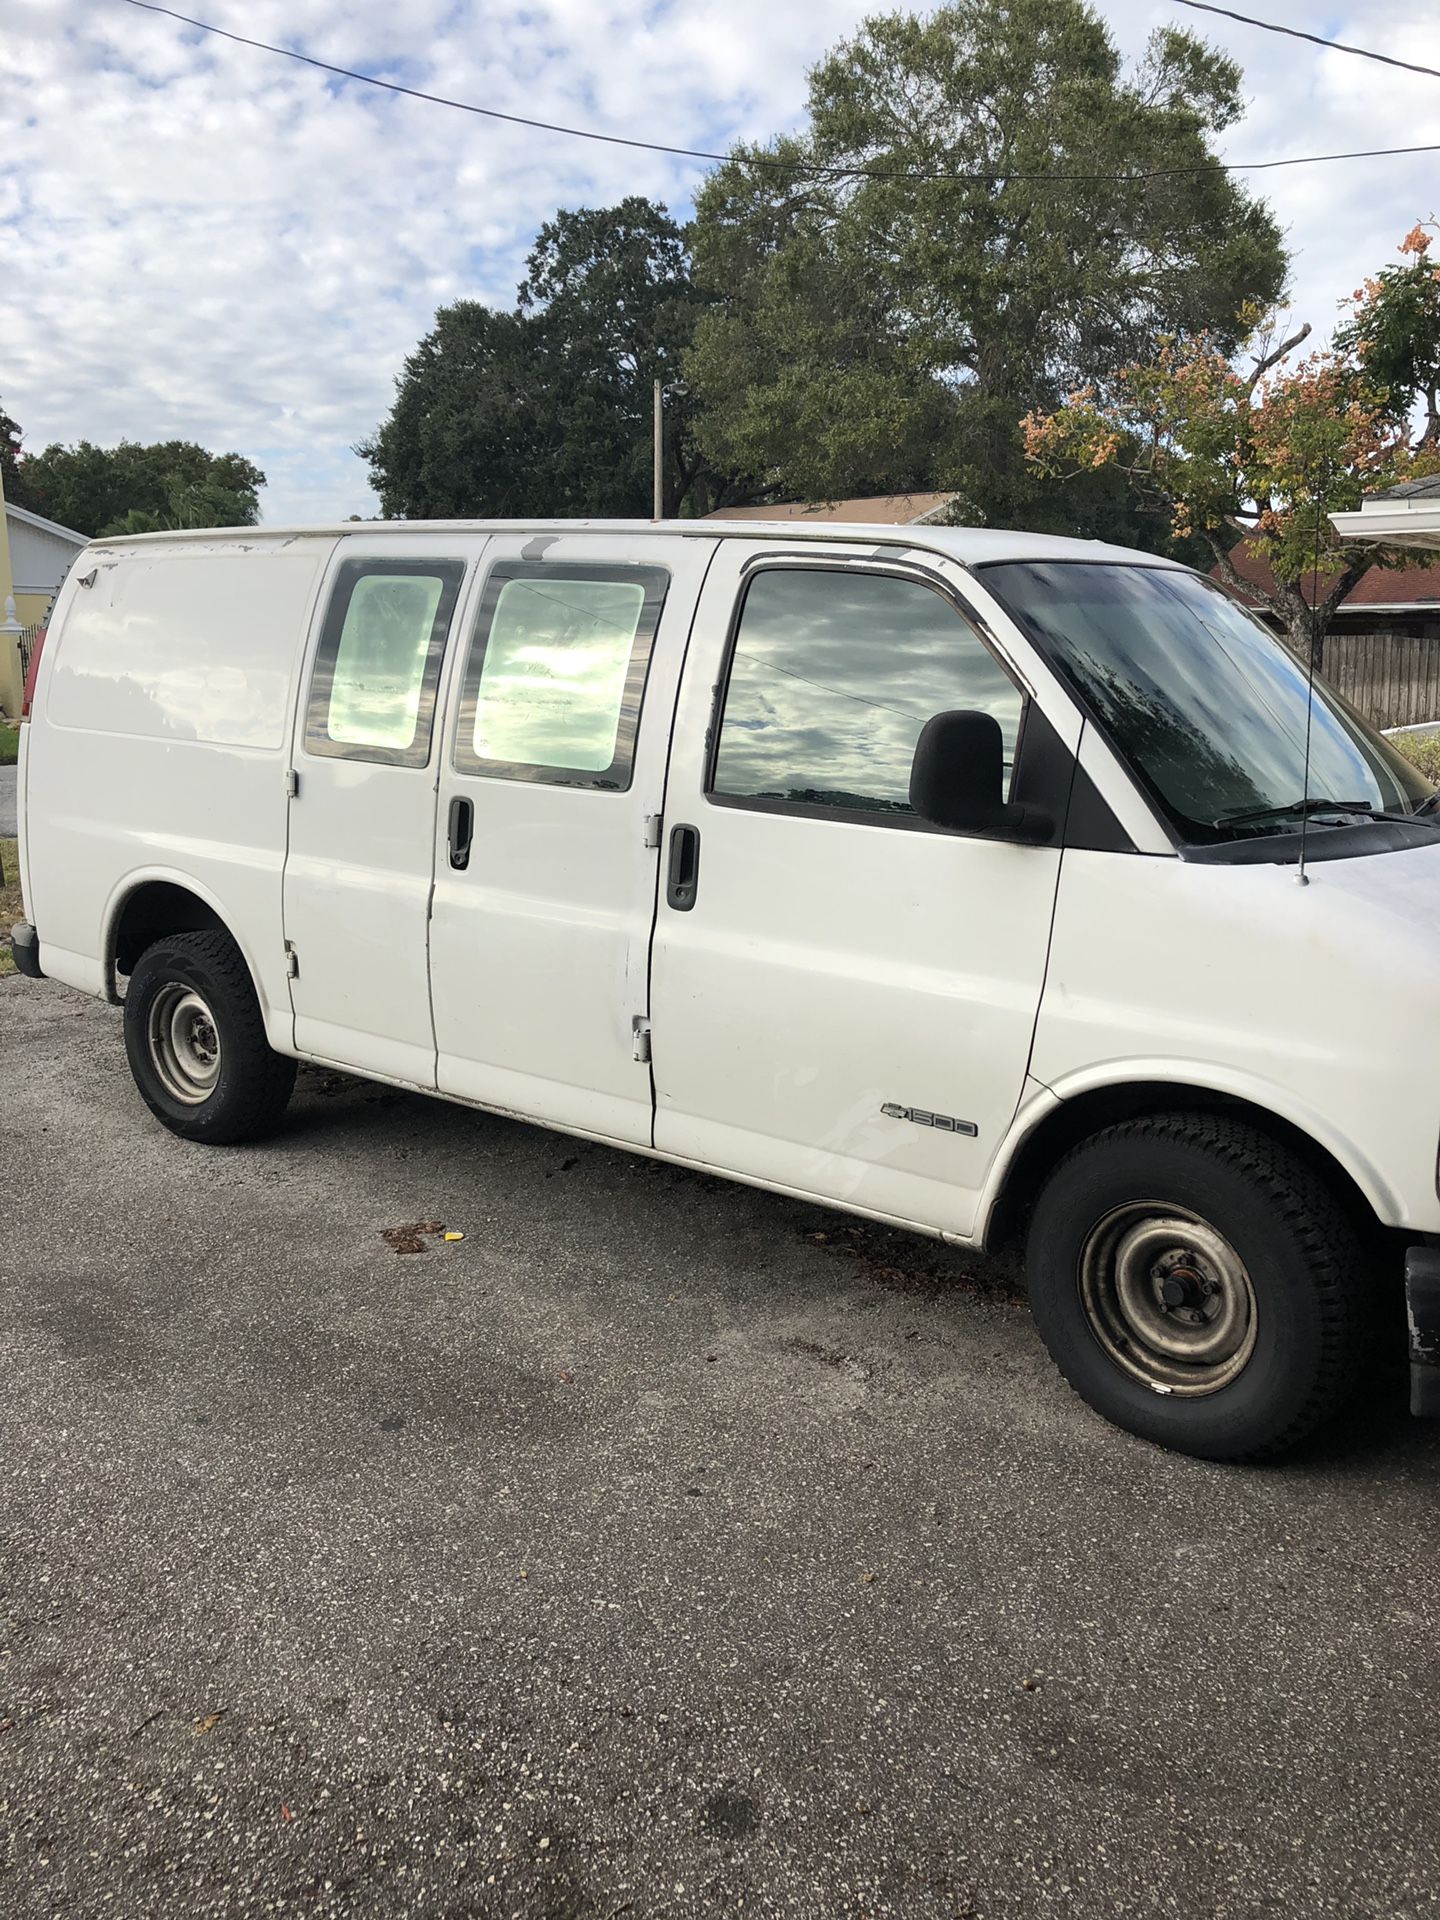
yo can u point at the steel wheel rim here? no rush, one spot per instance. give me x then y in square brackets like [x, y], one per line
[184, 1044]
[1168, 1298]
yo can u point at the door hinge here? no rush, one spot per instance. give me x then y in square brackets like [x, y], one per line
[654, 822]
[292, 782]
[292, 962]
[640, 1037]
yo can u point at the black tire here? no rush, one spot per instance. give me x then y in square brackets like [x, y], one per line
[202, 978]
[1306, 1267]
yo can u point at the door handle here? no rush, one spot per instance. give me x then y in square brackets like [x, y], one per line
[462, 831]
[683, 874]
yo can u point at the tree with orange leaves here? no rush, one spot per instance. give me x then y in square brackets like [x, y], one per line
[1267, 449]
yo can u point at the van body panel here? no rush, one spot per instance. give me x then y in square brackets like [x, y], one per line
[848, 1008]
[358, 870]
[1314, 1002]
[540, 944]
[157, 745]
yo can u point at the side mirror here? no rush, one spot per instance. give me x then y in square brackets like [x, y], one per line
[957, 780]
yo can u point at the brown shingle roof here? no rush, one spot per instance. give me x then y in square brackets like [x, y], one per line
[1380, 587]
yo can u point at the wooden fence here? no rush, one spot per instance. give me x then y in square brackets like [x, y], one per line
[1393, 678]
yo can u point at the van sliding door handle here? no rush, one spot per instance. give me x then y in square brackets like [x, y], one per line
[683, 875]
[462, 831]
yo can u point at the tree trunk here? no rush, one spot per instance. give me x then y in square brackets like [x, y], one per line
[1305, 636]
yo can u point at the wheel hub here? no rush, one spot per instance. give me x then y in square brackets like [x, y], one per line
[184, 1043]
[1168, 1298]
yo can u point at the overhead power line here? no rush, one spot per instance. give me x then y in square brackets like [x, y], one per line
[1316, 39]
[764, 160]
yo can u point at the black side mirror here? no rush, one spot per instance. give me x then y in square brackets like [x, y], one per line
[957, 780]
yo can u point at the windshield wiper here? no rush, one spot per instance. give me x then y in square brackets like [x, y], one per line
[1294, 809]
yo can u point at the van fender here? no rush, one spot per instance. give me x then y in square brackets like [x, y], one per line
[279, 1021]
[1039, 1101]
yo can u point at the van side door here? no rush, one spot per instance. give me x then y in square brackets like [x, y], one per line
[547, 849]
[358, 868]
[843, 997]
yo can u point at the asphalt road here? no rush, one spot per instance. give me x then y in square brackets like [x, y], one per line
[7, 803]
[661, 1548]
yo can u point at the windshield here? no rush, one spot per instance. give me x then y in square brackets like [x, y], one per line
[1206, 704]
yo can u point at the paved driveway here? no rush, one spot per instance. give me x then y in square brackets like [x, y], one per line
[661, 1548]
[7, 803]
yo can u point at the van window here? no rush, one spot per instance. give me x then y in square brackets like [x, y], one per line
[557, 671]
[834, 674]
[372, 691]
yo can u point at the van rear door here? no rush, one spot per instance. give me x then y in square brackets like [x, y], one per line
[362, 819]
[843, 998]
[547, 847]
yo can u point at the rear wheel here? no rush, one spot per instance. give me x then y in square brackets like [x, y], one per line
[1199, 1284]
[196, 1041]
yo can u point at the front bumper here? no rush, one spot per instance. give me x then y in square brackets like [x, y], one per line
[25, 946]
[1422, 1306]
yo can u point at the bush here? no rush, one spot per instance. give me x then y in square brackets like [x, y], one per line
[1422, 750]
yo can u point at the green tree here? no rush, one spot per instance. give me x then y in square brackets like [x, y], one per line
[1264, 450]
[1393, 332]
[871, 333]
[547, 410]
[130, 487]
[12, 465]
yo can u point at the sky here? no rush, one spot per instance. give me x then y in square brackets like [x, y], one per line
[202, 241]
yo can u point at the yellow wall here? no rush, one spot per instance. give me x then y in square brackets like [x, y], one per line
[31, 608]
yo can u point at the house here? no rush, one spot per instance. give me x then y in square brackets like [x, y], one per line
[873, 510]
[1403, 516]
[1402, 601]
[35, 556]
[1383, 647]
[40, 552]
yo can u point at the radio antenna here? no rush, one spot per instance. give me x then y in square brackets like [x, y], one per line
[1301, 876]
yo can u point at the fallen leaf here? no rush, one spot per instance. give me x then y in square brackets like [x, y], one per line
[411, 1238]
[567, 1376]
[209, 1721]
[285, 1813]
[868, 1579]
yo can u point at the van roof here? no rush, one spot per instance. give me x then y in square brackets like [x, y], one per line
[972, 546]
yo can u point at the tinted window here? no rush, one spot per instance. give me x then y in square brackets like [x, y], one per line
[372, 692]
[1208, 706]
[833, 676]
[557, 672]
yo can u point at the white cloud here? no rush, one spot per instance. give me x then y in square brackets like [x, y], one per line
[205, 241]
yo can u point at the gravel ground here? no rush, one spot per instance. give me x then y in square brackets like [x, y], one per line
[660, 1548]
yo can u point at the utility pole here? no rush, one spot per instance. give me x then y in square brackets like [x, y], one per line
[659, 453]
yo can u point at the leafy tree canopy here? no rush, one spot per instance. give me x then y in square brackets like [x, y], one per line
[547, 410]
[1393, 331]
[12, 464]
[140, 489]
[1260, 445]
[870, 334]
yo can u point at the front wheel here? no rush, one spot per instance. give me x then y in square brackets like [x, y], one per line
[196, 1042]
[1199, 1284]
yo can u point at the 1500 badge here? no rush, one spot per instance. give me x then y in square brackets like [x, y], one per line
[917, 1116]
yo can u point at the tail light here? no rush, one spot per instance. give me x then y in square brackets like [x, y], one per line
[30, 672]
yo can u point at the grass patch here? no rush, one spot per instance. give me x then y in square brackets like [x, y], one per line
[10, 908]
[9, 745]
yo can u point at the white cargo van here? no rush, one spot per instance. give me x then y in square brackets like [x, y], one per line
[949, 877]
